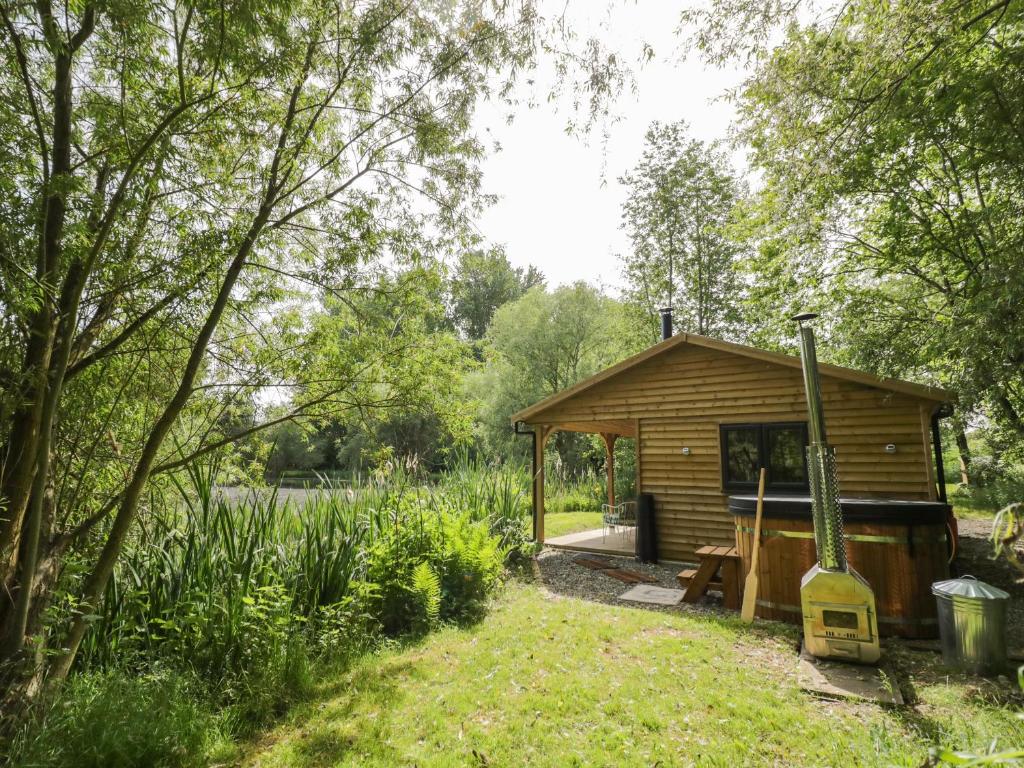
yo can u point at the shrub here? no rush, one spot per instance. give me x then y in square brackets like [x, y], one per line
[391, 561]
[498, 495]
[996, 485]
[459, 551]
[426, 589]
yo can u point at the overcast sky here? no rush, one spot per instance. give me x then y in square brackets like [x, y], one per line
[560, 201]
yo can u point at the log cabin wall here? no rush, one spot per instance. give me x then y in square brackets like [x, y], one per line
[679, 398]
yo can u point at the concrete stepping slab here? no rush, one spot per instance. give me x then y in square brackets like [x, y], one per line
[840, 680]
[644, 593]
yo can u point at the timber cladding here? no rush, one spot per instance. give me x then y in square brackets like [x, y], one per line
[679, 398]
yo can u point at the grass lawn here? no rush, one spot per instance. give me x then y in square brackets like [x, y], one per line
[561, 523]
[971, 506]
[552, 681]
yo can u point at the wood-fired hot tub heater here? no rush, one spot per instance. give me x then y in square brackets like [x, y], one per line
[840, 621]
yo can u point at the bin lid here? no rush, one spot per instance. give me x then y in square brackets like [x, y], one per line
[969, 586]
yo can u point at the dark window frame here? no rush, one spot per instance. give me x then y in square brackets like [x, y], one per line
[763, 429]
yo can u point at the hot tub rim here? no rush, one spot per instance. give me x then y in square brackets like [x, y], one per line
[855, 510]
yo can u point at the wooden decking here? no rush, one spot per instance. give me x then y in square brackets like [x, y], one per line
[614, 543]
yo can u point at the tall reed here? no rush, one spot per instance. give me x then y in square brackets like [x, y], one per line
[208, 575]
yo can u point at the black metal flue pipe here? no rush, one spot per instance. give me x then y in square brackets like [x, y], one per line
[666, 322]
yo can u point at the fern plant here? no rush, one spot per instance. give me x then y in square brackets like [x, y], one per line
[426, 590]
[472, 561]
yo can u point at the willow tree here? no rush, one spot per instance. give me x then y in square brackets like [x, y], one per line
[681, 197]
[483, 281]
[172, 176]
[540, 344]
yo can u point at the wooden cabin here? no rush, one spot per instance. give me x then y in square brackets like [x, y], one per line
[706, 414]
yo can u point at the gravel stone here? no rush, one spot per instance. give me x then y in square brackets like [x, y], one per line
[557, 572]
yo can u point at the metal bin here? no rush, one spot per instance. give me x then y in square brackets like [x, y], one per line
[972, 624]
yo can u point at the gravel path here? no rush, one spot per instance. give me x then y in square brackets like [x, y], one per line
[561, 576]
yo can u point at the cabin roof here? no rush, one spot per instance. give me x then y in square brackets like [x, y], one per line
[934, 394]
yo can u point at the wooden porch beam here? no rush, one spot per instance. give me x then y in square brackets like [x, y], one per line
[619, 428]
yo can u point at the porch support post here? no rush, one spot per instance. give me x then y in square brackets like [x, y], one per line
[609, 448]
[543, 433]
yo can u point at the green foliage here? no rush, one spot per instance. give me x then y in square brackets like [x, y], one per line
[1007, 531]
[681, 199]
[244, 591]
[581, 492]
[993, 491]
[887, 137]
[482, 282]
[455, 547]
[227, 602]
[116, 720]
[236, 593]
[426, 591]
[294, 448]
[583, 485]
[203, 206]
[496, 493]
[542, 343]
[471, 560]
[399, 547]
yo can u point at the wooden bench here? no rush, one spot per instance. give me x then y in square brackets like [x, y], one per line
[684, 578]
[719, 569]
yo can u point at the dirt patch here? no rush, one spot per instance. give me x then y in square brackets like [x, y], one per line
[561, 577]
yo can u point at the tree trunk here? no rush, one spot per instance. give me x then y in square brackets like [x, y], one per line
[965, 453]
[19, 542]
[96, 582]
[23, 441]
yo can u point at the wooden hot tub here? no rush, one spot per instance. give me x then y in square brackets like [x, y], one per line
[900, 547]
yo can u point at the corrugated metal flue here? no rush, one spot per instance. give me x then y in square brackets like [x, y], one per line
[821, 466]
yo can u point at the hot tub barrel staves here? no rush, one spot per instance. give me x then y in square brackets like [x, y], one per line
[900, 547]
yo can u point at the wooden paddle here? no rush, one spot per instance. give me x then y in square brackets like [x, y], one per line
[750, 586]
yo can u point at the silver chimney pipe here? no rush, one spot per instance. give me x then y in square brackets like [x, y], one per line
[821, 462]
[837, 603]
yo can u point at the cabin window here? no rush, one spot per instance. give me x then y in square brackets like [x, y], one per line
[780, 447]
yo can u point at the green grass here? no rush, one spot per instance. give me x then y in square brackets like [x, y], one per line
[972, 503]
[118, 720]
[966, 505]
[549, 681]
[562, 523]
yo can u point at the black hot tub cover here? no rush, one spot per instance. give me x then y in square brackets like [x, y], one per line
[893, 511]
